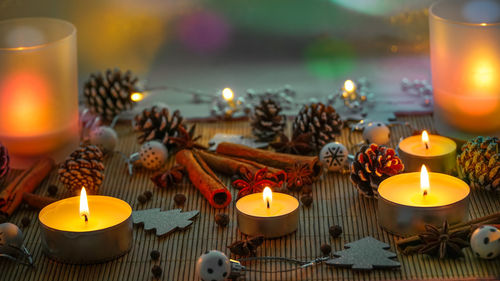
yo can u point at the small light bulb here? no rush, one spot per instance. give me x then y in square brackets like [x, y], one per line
[227, 94]
[137, 96]
[349, 86]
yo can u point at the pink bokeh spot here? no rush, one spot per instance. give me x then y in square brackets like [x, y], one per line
[203, 32]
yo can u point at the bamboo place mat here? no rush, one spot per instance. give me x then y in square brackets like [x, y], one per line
[336, 201]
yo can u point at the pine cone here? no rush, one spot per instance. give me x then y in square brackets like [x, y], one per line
[479, 162]
[4, 162]
[109, 94]
[157, 123]
[266, 120]
[83, 168]
[320, 120]
[373, 164]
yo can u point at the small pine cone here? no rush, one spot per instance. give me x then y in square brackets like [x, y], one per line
[83, 168]
[157, 123]
[266, 121]
[4, 162]
[373, 164]
[479, 162]
[109, 94]
[321, 120]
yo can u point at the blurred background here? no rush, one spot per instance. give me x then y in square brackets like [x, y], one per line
[312, 45]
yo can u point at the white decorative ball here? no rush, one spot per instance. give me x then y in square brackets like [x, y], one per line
[485, 242]
[213, 266]
[377, 132]
[153, 155]
[333, 155]
[104, 137]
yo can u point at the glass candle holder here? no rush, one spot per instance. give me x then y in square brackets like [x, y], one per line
[465, 63]
[38, 89]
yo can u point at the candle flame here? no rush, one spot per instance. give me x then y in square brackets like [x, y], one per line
[349, 86]
[227, 94]
[84, 206]
[267, 195]
[137, 96]
[425, 139]
[424, 180]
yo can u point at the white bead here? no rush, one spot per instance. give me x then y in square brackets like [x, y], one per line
[153, 155]
[377, 132]
[485, 242]
[104, 137]
[333, 155]
[213, 266]
[11, 239]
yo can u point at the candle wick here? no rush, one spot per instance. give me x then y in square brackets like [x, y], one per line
[426, 146]
[85, 217]
[268, 205]
[425, 192]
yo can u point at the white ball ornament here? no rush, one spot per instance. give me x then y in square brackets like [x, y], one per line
[377, 132]
[153, 155]
[213, 266]
[485, 242]
[104, 137]
[333, 155]
[12, 244]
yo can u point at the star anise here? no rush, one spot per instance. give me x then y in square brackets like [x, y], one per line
[299, 176]
[252, 183]
[442, 242]
[299, 144]
[169, 178]
[247, 247]
[186, 139]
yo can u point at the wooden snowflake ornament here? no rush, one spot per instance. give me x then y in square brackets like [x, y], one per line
[164, 222]
[365, 254]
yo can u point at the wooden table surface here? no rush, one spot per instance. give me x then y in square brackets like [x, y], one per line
[336, 201]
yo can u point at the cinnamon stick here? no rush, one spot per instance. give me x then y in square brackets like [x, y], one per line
[204, 179]
[407, 244]
[269, 158]
[12, 196]
[37, 201]
[230, 165]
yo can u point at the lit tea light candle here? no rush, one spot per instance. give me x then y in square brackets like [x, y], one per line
[409, 201]
[86, 229]
[436, 152]
[268, 214]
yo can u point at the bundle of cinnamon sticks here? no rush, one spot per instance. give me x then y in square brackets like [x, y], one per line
[12, 196]
[233, 159]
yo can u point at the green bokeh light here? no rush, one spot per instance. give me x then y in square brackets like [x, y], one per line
[328, 57]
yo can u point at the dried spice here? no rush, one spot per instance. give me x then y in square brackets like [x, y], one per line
[307, 200]
[326, 249]
[52, 190]
[335, 231]
[300, 144]
[142, 199]
[148, 194]
[222, 220]
[180, 199]
[443, 243]
[253, 183]
[186, 139]
[157, 271]
[247, 247]
[155, 255]
[298, 176]
[25, 221]
[169, 178]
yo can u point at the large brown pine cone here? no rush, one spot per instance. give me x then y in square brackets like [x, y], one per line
[156, 123]
[373, 164]
[479, 162]
[83, 168]
[4, 162]
[109, 94]
[266, 120]
[322, 121]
